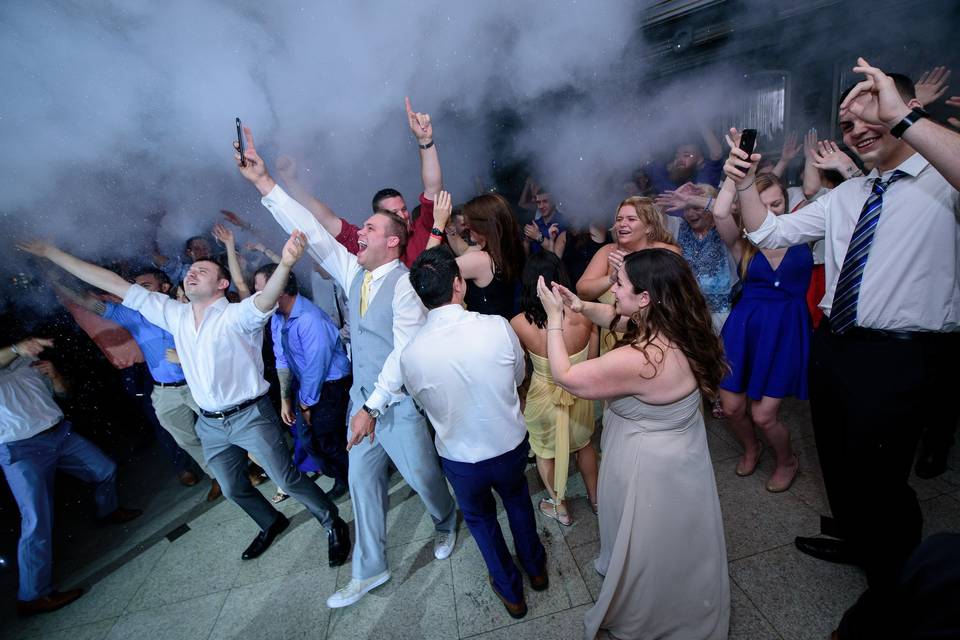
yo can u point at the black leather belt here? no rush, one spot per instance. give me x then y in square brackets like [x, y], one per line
[220, 415]
[164, 385]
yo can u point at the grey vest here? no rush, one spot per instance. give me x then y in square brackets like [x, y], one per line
[371, 338]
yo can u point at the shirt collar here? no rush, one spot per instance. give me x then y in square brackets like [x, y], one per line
[444, 315]
[297, 307]
[912, 166]
[384, 269]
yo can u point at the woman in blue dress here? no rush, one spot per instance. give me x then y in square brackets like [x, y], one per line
[766, 337]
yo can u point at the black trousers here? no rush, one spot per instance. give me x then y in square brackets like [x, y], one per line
[871, 395]
[325, 438]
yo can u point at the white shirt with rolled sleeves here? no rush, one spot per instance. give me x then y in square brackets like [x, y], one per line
[222, 359]
[464, 368]
[912, 278]
[408, 311]
[26, 401]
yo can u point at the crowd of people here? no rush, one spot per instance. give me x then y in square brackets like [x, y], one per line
[452, 342]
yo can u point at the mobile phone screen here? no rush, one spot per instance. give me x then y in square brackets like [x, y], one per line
[748, 140]
[243, 159]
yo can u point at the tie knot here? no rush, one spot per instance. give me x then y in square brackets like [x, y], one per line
[367, 277]
[880, 185]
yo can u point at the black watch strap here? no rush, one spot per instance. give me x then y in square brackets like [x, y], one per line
[916, 114]
[373, 413]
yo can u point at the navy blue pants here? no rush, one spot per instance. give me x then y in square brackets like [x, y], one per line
[474, 484]
[30, 466]
[321, 445]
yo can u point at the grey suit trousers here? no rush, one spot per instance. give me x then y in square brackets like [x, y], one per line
[256, 429]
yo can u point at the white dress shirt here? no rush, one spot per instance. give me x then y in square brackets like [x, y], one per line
[912, 278]
[464, 368]
[408, 311]
[26, 401]
[222, 359]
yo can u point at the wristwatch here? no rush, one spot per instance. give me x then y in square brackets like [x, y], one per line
[373, 413]
[908, 120]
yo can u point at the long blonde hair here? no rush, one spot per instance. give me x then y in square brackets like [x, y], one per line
[651, 215]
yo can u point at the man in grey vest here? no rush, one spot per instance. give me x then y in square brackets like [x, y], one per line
[385, 313]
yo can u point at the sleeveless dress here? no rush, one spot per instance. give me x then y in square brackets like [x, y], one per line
[767, 335]
[662, 548]
[495, 299]
[557, 421]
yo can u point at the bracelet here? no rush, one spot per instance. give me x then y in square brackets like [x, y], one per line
[554, 328]
[14, 349]
[709, 202]
[746, 187]
[436, 232]
[425, 146]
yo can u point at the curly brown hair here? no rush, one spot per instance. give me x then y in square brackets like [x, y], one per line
[677, 311]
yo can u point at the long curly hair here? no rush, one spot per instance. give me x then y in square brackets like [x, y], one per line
[677, 311]
[491, 216]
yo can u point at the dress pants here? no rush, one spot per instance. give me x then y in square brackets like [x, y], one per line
[138, 384]
[177, 412]
[321, 442]
[474, 484]
[256, 429]
[403, 438]
[871, 394]
[30, 466]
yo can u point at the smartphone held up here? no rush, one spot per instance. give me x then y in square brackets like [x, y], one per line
[243, 158]
[748, 140]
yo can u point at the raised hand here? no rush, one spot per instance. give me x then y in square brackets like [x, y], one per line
[287, 168]
[420, 124]
[875, 99]
[46, 368]
[294, 248]
[442, 208]
[38, 248]
[553, 231]
[532, 232]
[739, 167]
[954, 101]
[672, 200]
[234, 219]
[829, 156]
[931, 85]
[614, 262]
[32, 346]
[810, 145]
[570, 300]
[790, 147]
[255, 170]
[223, 235]
[551, 300]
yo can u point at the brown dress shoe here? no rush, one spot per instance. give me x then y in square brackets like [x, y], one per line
[188, 478]
[121, 516]
[214, 492]
[50, 602]
[540, 582]
[516, 609]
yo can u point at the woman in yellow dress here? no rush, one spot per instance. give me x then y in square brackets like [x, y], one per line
[558, 422]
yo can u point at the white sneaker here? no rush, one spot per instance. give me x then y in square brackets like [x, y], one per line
[444, 544]
[355, 590]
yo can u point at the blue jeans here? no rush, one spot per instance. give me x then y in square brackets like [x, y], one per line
[474, 484]
[30, 466]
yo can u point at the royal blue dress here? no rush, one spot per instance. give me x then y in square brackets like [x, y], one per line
[767, 336]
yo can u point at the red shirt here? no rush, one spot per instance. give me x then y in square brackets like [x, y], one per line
[416, 242]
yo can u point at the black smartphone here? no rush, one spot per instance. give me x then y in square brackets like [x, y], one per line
[748, 140]
[243, 158]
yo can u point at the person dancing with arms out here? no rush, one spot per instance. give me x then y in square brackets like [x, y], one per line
[662, 550]
[219, 346]
[385, 313]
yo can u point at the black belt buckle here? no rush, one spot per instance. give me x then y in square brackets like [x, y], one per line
[226, 413]
[164, 385]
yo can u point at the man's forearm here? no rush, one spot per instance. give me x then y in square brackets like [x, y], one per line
[324, 214]
[430, 172]
[286, 384]
[273, 289]
[714, 148]
[939, 145]
[89, 273]
[7, 355]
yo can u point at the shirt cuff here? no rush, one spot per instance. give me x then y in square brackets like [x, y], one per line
[136, 297]
[764, 231]
[277, 196]
[378, 400]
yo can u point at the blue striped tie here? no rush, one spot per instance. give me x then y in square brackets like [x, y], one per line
[843, 311]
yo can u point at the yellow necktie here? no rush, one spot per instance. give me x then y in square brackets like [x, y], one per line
[365, 293]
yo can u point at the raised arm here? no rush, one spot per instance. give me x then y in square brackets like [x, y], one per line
[90, 273]
[225, 237]
[723, 219]
[712, 142]
[595, 280]
[811, 174]
[287, 170]
[430, 173]
[600, 314]
[877, 101]
[30, 348]
[442, 207]
[259, 247]
[787, 154]
[292, 251]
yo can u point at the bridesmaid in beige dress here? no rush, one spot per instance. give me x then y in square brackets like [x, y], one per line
[662, 549]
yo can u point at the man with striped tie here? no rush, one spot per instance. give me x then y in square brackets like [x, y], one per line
[882, 359]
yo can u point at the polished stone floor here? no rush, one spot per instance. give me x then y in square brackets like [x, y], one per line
[143, 585]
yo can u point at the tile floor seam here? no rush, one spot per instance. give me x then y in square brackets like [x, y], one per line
[521, 621]
[194, 596]
[133, 598]
[456, 612]
[336, 581]
[223, 604]
[746, 594]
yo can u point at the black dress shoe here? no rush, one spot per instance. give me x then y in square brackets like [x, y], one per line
[265, 538]
[338, 543]
[340, 489]
[837, 551]
[50, 602]
[931, 462]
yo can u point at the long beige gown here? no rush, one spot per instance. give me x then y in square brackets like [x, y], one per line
[662, 548]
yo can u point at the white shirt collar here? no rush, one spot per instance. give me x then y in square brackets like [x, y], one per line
[384, 269]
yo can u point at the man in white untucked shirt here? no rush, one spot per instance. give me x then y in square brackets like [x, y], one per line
[35, 442]
[463, 369]
[219, 345]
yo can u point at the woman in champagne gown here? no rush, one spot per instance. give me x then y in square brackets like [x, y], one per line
[662, 548]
